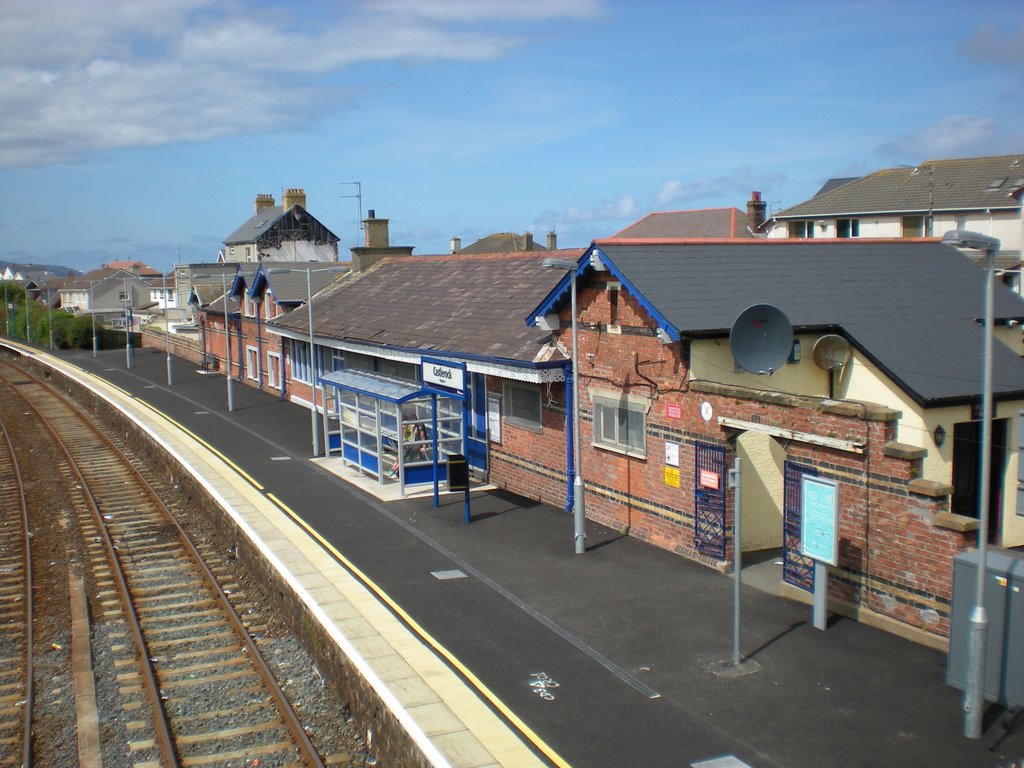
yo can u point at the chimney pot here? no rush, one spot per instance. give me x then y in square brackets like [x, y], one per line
[756, 212]
[456, 244]
[371, 214]
[552, 241]
[293, 196]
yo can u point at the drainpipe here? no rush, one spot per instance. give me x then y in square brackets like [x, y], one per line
[570, 441]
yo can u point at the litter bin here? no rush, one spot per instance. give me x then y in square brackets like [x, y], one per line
[1004, 607]
[458, 472]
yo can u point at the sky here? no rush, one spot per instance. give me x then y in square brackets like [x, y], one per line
[144, 129]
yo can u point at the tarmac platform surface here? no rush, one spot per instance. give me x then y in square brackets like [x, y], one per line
[635, 637]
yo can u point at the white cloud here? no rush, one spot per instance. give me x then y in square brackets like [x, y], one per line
[619, 208]
[739, 185]
[76, 78]
[990, 44]
[952, 136]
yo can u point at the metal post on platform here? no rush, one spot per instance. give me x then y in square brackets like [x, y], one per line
[974, 690]
[578, 510]
[167, 332]
[737, 567]
[92, 312]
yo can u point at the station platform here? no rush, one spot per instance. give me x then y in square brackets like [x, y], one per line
[461, 621]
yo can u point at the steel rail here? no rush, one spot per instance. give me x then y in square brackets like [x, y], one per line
[26, 739]
[284, 707]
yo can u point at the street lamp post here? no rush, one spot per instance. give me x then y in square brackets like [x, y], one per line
[313, 414]
[127, 329]
[49, 314]
[974, 689]
[167, 332]
[227, 340]
[578, 511]
[92, 311]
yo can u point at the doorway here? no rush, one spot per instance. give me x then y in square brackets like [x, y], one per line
[967, 472]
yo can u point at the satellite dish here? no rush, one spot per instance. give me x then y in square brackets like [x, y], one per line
[831, 352]
[761, 339]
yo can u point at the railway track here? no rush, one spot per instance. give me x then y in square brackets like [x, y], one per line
[194, 687]
[16, 611]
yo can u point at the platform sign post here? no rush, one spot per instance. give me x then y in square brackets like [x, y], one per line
[819, 535]
[447, 378]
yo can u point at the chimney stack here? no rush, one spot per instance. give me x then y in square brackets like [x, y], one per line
[756, 212]
[264, 201]
[376, 230]
[552, 241]
[293, 196]
[456, 244]
[527, 241]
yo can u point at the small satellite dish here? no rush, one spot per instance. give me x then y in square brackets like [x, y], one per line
[761, 339]
[831, 352]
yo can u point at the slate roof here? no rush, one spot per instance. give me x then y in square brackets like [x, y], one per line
[290, 287]
[469, 305]
[501, 242]
[910, 307]
[706, 223]
[941, 185]
[263, 220]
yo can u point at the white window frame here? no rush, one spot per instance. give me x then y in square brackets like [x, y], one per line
[609, 407]
[252, 362]
[274, 370]
[300, 362]
[516, 419]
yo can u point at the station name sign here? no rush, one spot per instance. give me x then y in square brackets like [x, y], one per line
[446, 376]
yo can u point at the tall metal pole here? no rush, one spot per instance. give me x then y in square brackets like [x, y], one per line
[312, 361]
[167, 331]
[92, 311]
[49, 315]
[975, 690]
[737, 543]
[227, 339]
[578, 511]
[127, 329]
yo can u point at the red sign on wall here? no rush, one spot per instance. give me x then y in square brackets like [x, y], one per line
[674, 410]
[709, 479]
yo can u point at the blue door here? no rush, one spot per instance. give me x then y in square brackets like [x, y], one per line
[709, 500]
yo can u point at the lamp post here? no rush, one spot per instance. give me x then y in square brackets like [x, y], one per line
[92, 311]
[313, 416]
[227, 331]
[127, 329]
[578, 511]
[167, 331]
[974, 688]
[49, 314]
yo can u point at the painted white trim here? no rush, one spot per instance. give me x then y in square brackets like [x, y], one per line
[790, 434]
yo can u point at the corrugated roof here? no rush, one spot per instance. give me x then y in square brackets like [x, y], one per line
[710, 222]
[940, 185]
[911, 307]
[464, 304]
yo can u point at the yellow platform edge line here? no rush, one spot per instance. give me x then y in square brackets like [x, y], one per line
[429, 639]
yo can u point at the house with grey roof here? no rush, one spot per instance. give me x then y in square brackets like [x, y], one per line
[380, 332]
[286, 232]
[700, 224]
[875, 390]
[981, 194]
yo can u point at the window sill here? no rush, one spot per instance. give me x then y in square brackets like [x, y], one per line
[633, 453]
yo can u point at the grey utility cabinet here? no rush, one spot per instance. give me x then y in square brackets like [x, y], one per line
[1004, 605]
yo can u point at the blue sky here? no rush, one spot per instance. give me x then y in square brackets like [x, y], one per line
[143, 129]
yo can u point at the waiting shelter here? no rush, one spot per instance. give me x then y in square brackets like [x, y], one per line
[395, 430]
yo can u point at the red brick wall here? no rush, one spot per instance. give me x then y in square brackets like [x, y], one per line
[893, 559]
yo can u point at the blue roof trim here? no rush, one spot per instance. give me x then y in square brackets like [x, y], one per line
[560, 293]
